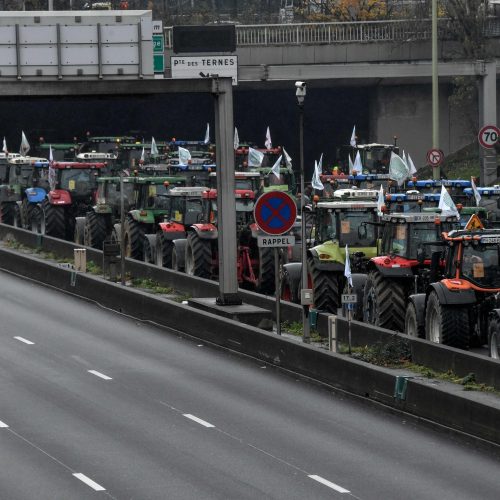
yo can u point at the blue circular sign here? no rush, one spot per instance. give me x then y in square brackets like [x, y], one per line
[275, 212]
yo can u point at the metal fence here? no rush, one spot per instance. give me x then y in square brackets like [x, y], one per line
[405, 30]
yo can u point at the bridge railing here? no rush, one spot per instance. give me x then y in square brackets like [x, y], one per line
[401, 30]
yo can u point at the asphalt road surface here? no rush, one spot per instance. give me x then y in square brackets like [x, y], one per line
[97, 405]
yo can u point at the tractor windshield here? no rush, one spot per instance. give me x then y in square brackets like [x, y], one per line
[244, 211]
[21, 174]
[480, 265]
[41, 178]
[284, 183]
[405, 239]
[349, 227]
[79, 180]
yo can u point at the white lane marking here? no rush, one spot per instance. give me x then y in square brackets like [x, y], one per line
[331, 485]
[88, 481]
[3, 424]
[101, 375]
[198, 420]
[26, 341]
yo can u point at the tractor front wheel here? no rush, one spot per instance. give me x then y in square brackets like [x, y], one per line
[164, 248]
[7, 213]
[266, 283]
[54, 223]
[134, 239]
[198, 260]
[94, 232]
[325, 286]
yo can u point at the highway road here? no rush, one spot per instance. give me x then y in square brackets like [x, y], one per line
[97, 405]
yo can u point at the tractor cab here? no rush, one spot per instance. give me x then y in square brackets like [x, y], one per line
[78, 179]
[375, 158]
[243, 181]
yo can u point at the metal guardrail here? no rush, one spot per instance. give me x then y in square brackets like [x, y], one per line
[401, 30]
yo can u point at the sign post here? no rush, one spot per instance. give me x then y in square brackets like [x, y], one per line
[350, 300]
[275, 213]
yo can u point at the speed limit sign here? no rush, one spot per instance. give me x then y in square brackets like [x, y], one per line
[488, 136]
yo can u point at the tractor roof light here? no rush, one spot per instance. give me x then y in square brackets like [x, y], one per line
[166, 183]
[315, 198]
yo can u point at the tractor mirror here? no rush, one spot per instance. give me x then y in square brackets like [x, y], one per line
[421, 254]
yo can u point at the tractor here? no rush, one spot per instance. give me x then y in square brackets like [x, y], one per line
[375, 158]
[396, 272]
[490, 201]
[73, 193]
[348, 219]
[461, 307]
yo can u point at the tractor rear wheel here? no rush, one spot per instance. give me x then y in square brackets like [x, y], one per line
[7, 213]
[448, 325]
[164, 250]
[266, 283]
[95, 230]
[325, 285]
[384, 302]
[198, 256]
[54, 220]
[134, 239]
[494, 338]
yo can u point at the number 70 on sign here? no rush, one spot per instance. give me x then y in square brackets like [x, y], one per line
[488, 136]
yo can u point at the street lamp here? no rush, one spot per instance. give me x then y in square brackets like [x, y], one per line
[301, 94]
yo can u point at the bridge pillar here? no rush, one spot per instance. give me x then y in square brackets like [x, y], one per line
[488, 116]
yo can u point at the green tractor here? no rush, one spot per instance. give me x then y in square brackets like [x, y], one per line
[348, 219]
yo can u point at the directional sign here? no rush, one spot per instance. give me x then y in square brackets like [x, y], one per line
[158, 56]
[435, 157]
[275, 212]
[488, 136]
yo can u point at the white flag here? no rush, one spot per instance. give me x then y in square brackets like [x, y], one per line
[207, 134]
[380, 201]
[353, 137]
[446, 204]
[357, 167]
[184, 156]
[347, 269]
[477, 196]
[143, 155]
[4, 148]
[255, 157]
[288, 160]
[316, 181]
[276, 168]
[268, 142]
[398, 169]
[25, 145]
[411, 166]
[351, 165]
[236, 141]
[52, 171]
[154, 148]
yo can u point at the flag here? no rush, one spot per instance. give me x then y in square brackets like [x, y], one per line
[357, 167]
[398, 169]
[207, 134]
[184, 156]
[276, 168]
[288, 160]
[353, 137]
[268, 142]
[380, 201]
[477, 196]
[52, 171]
[143, 154]
[351, 165]
[4, 147]
[236, 141]
[255, 157]
[319, 166]
[25, 145]
[411, 166]
[154, 148]
[347, 269]
[446, 204]
[316, 181]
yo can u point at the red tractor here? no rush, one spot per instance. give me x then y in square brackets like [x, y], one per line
[73, 195]
[255, 264]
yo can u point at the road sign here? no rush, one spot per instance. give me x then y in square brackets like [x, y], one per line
[158, 54]
[202, 66]
[158, 43]
[275, 241]
[488, 136]
[435, 157]
[349, 298]
[275, 212]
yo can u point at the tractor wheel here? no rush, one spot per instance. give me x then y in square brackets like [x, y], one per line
[95, 230]
[384, 302]
[149, 248]
[7, 213]
[412, 328]
[494, 338]
[266, 284]
[164, 250]
[198, 256]
[54, 221]
[134, 236]
[325, 285]
[17, 220]
[36, 219]
[448, 325]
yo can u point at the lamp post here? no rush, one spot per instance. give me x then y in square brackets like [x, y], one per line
[301, 94]
[435, 88]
